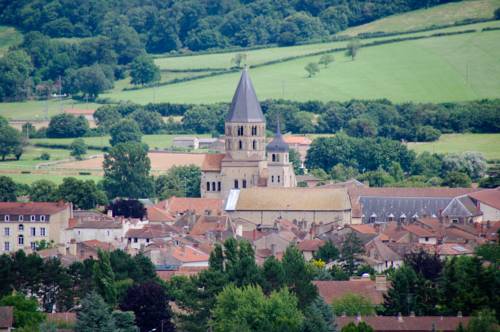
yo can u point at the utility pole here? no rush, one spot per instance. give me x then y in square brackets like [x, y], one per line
[60, 94]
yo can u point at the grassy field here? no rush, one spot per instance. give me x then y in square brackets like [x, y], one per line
[153, 141]
[36, 110]
[9, 37]
[423, 18]
[487, 144]
[57, 179]
[451, 68]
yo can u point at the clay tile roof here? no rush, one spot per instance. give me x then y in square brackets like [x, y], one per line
[454, 249]
[96, 244]
[206, 224]
[175, 205]
[182, 271]
[301, 140]
[187, 254]
[332, 290]
[152, 231]
[419, 231]
[6, 317]
[363, 228]
[212, 162]
[489, 197]
[310, 245]
[420, 323]
[155, 214]
[98, 224]
[35, 208]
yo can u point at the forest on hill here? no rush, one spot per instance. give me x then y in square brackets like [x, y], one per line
[163, 26]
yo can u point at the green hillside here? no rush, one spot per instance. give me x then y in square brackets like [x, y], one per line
[451, 68]
[423, 18]
[8, 37]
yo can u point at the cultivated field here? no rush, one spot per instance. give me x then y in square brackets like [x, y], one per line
[37, 110]
[451, 68]
[424, 18]
[487, 144]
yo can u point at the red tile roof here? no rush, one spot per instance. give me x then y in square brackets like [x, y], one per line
[155, 214]
[182, 271]
[67, 317]
[301, 140]
[175, 205]
[363, 228]
[416, 324]
[489, 197]
[206, 224]
[187, 254]
[6, 317]
[152, 231]
[96, 244]
[419, 231]
[35, 208]
[310, 245]
[333, 290]
[212, 162]
[453, 249]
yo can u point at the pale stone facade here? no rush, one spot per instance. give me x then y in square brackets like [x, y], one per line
[245, 163]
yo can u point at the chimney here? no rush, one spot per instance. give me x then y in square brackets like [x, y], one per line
[273, 249]
[110, 213]
[239, 230]
[412, 314]
[381, 283]
[459, 314]
[400, 317]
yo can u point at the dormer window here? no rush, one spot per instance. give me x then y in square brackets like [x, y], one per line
[20, 218]
[402, 218]
[33, 218]
[6, 218]
[42, 218]
[373, 218]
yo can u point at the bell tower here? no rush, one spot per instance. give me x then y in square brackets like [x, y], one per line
[281, 173]
[244, 163]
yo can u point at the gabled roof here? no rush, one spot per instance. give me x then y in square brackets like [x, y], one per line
[383, 251]
[333, 290]
[294, 139]
[175, 205]
[489, 197]
[461, 207]
[417, 324]
[212, 162]
[245, 106]
[188, 254]
[310, 245]
[419, 231]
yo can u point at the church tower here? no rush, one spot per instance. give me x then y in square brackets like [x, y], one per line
[280, 170]
[245, 140]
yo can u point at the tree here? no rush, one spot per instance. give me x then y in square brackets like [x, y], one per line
[273, 275]
[362, 127]
[43, 191]
[351, 247]
[149, 302]
[483, 321]
[319, 317]
[83, 194]
[402, 295]
[312, 69]
[180, 181]
[361, 327]
[457, 179]
[497, 14]
[239, 59]
[143, 70]
[78, 148]
[11, 142]
[425, 264]
[299, 276]
[352, 49]
[126, 130]
[124, 321]
[126, 171]
[67, 125]
[128, 208]
[326, 59]
[238, 308]
[327, 252]
[106, 116]
[471, 163]
[15, 70]
[352, 305]
[104, 278]
[26, 314]
[94, 315]
[92, 81]
[340, 172]
[149, 122]
[7, 189]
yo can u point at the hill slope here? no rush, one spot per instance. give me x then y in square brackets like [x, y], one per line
[424, 18]
[451, 68]
[8, 37]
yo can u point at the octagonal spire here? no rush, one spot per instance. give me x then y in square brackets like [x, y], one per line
[245, 106]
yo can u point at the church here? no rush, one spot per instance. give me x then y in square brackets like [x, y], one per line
[248, 160]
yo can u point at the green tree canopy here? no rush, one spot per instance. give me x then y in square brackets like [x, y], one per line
[180, 181]
[26, 314]
[299, 276]
[43, 191]
[67, 125]
[326, 59]
[125, 130]
[352, 305]
[83, 194]
[11, 142]
[94, 315]
[143, 70]
[7, 189]
[126, 171]
[312, 69]
[104, 278]
[150, 122]
[78, 148]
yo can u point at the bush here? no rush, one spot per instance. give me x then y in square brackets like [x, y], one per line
[44, 156]
[497, 13]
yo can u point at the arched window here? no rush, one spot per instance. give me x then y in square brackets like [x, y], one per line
[21, 228]
[241, 145]
[244, 183]
[213, 186]
[208, 186]
[20, 239]
[274, 157]
[279, 179]
[254, 145]
[254, 131]
[240, 131]
[236, 184]
[272, 178]
[218, 186]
